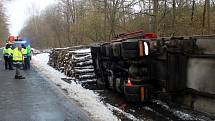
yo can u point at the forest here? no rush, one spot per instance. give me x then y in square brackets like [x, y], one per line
[75, 22]
[3, 24]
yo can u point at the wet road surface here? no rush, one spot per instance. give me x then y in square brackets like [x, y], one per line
[34, 99]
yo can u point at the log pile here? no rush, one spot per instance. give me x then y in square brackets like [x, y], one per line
[75, 62]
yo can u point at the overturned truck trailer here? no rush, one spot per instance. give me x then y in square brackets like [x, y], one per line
[142, 66]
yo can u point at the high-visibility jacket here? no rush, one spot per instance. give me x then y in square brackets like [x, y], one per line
[28, 50]
[7, 52]
[24, 52]
[17, 55]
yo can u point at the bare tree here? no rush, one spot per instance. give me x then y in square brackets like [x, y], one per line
[155, 23]
[73, 22]
[173, 15]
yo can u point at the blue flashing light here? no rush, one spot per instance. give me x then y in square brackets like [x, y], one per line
[20, 42]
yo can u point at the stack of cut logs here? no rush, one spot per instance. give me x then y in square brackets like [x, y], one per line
[75, 62]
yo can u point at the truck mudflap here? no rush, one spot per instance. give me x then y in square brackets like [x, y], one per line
[137, 93]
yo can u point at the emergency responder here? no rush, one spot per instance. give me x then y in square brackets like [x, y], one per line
[7, 53]
[18, 61]
[28, 56]
[24, 53]
[11, 57]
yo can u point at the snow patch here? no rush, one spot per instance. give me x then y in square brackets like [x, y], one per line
[128, 115]
[148, 108]
[183, 115]
[163, 104]
[41, 58]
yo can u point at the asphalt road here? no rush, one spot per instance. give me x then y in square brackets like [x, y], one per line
[34, 99]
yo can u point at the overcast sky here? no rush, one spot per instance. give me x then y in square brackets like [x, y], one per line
[19, 11]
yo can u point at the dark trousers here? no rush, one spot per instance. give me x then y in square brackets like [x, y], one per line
[8, 62]
[18, 65]
[26, 64]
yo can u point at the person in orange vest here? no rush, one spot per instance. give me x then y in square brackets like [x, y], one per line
[18, 61]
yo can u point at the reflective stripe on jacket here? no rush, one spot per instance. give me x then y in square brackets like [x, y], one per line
[17, 55]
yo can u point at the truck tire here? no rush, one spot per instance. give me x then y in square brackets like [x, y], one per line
[141, 72]
[116, 48]
[130, 54]
[95, 50]
[107, 50]
[103, 50]
[111, 52]
[130, 45]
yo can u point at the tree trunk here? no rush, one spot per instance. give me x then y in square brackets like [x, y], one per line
[173, 16]
[155, 13]
[192, 16]
[208, 17]
[105, 19]
[204, 15]
[150, 17]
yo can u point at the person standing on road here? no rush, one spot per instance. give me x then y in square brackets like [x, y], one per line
[24, 52]
[18, 61]
[11, 57]
[28, 56]
[7, 53]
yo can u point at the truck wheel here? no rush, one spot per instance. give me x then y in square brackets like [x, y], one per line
[107, 47]
[129, 54]
[140, 72]
[103, 50]
[130, 45]
[116, 47]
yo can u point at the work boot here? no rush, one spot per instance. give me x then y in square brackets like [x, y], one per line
[19, 77]
[16, 77]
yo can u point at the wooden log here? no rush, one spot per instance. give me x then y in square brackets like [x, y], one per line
[74, 62]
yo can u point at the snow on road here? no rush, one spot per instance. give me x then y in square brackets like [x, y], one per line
[89, 101]
[128, 115]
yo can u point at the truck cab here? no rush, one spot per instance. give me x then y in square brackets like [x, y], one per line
[124, 65]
